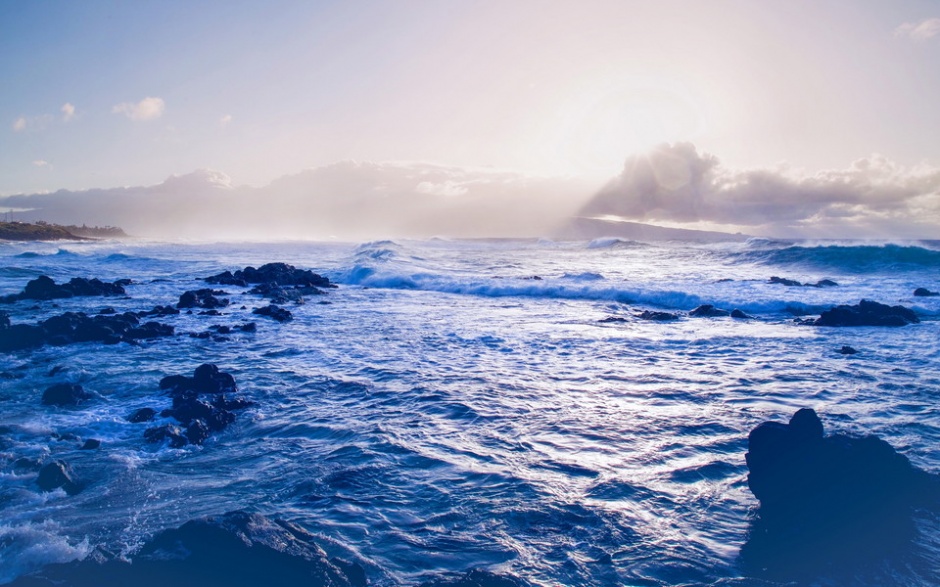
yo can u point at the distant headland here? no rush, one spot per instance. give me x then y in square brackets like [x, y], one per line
[45, 231]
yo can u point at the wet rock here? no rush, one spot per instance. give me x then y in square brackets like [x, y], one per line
[793, 283]
[159, 311]
[166, 433]
[826, 499]
[275, 312]
[91, 444]
[610, 319]
[74, 327]
[708, 311]
[279, 273]
[923, 292]
[191, 410]
[867, 313]
[658, 316]
[847, 350]
[202, 298]
[142, 415]
[57, 474]
[197, 432]
[64, 394]
[740, 315]
[237, 549]
[107, 311]
[45, 288]
[248, 327]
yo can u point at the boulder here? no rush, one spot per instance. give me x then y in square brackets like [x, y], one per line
[923, 292]
[827, 500]
[202, 298]
[740, 315]
[45, 288]
[658, 316]
[142, 415]
[708, 311]
[166, 433]
[275, 312]
[64, 394]
[847, 350]
[867, 313]
[57, 474]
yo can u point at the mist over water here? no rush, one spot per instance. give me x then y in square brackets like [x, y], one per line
[459, 404]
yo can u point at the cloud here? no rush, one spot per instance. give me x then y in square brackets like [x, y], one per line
[919, 31]
[41, 163]
[225, 120]
[68, 111]
[20, 124]
[347, 200]
[676, 185]
[147, 109]
[32, 123]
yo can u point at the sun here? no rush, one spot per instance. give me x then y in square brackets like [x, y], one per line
[602, 126]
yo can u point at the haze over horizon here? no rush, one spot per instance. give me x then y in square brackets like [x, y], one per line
[473, 119]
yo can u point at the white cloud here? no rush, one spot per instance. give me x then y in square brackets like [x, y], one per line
[919, 31]
[20, 124]
[41, 163]
[32, 123]
[68, 111]
[147, 109]
[225, 120]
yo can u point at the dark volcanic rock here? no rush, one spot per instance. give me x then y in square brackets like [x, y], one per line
[276, 312]
[708, 311]
[867, 313]
[91, 444]
[44, 288]
[167, 432]
[202, 298]
[142, 415]
[923, 292]
[21, 336]
[279, 273]
[847, 350]
[658, 316]
[740, 315]
[57, 474]
[236, 549]
[64, 394]
[200, 416]
[612, 319]
[72, 327]
[793, 283]
[828, 499]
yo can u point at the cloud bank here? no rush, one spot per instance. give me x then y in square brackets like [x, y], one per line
[676, 185]
[673, 186]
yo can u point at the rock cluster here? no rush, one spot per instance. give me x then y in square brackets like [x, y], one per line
[200, 406]
[202, 298]
[278, 281]
[44, 288]
[72, 327]
[794, 283]
[867, 313]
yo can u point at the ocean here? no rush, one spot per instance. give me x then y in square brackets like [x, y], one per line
[464, 404]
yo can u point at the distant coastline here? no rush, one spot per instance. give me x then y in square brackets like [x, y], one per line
[45, 231]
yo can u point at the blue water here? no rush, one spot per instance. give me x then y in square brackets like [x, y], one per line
[447, 411]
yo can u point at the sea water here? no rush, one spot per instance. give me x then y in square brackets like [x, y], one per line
[463, 404]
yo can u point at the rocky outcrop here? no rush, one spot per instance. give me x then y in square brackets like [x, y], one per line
[200, 405]
[73, 327]
[202, 298]
[825, 498]
[923, 292]
[657, 316]
[44, 288]
[279, 282]
[65, 394]
[274, 312]
[708, 311]
[56, 474]
[794, 283]
[237, 549]
[867, 313]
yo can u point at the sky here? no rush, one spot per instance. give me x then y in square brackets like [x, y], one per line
[827, 110]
